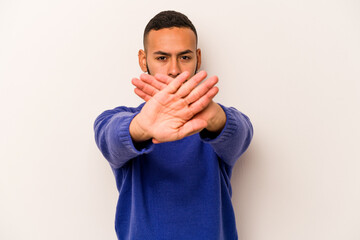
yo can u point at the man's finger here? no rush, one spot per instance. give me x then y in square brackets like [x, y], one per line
[163, 78]
[153, 81]
[204, 101]
[189, 86]
[191, 127]
[201, 90]
[142, 95]
[177, 82]
[146, 88]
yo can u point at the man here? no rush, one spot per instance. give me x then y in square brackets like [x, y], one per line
[173, 155]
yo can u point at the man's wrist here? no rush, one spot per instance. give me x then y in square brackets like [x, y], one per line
[217, 123]
[136, 132]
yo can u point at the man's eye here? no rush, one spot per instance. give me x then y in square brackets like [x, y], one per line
[162, 58]
[185, 57]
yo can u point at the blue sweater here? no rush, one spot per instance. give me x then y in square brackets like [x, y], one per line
[175, 190]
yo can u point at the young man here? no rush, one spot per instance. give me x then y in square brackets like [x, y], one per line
[173, 155]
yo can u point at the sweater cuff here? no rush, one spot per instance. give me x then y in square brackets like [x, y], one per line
[228, 130]
[125, 137]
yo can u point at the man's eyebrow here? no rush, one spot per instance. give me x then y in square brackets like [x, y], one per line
[185, 52]
[162, 53]
[168, 54]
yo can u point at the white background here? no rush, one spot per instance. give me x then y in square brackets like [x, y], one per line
[292, 66]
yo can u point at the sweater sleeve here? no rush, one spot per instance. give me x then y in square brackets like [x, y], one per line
[113, 138]
[234, 139]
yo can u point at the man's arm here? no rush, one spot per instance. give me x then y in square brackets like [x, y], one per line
[228, 130]
[234, 139]
[113, 138]
[124, 133]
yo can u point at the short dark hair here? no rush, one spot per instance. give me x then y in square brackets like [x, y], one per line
[168, 19]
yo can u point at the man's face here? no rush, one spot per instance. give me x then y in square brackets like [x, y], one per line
[170, 51]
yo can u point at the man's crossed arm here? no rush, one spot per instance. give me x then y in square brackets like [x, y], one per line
[176, 108]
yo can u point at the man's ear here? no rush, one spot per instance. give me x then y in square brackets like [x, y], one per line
[198, 58]
[142, 60]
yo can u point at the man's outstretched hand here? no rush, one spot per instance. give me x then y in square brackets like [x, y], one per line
[176, 108]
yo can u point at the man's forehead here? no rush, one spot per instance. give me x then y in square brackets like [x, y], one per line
[171, 39]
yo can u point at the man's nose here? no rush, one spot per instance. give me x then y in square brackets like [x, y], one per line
[174, 68]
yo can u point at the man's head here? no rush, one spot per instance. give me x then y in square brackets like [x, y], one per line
[170, 45]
